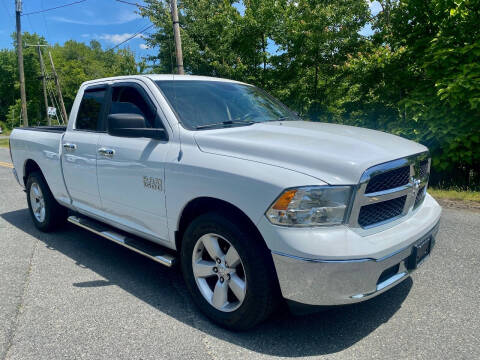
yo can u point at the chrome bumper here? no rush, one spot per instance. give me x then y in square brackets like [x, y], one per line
[338, 282]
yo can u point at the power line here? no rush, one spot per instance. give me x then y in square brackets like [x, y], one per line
[54, 102]
[131, 37]
[130, 3]
[53, 8]
[42, 5]
[138, 32]
[31, 26]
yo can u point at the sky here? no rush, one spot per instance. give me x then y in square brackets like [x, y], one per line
[108, 21]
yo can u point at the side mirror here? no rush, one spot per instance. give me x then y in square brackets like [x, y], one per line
[132, 126]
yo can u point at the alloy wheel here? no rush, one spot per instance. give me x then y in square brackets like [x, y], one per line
[219, 272]
[37, 202]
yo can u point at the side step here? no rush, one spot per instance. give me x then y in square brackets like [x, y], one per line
[144, 247]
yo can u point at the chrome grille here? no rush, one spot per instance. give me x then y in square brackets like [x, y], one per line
[422, 169]
[389, 180]
[379, 212]
[390, 191]
[420, 197]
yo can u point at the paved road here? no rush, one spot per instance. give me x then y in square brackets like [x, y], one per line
[70, 295]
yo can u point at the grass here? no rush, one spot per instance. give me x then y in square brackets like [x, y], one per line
[454, 194]
[4, 143]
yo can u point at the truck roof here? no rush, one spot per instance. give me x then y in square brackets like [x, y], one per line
[157, 77]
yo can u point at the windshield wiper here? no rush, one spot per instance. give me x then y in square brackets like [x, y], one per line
[227, 122]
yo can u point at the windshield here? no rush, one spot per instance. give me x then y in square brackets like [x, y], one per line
[210, 104]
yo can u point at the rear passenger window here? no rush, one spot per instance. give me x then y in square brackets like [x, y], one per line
[90, 112]
[129, 100]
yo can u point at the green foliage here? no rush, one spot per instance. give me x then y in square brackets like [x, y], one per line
[420, 78]
[417, 76]
[75, 63]
[13, 117]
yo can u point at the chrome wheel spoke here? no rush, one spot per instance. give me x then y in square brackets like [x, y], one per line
[219, 272]
[36, 191]
[238, 287]
[203, 268]
[37, 202]
[232, 258]
[220, 293]
[211, 245]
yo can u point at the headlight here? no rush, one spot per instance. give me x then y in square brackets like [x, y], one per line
[311, 206]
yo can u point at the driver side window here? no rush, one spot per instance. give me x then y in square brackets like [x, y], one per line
[128, 99]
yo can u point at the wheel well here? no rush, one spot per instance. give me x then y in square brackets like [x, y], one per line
[203, 205]
[30, 166]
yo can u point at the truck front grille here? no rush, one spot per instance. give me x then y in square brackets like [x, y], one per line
[389, 180]
[390, 191]
[379, 212]
[420, 197]
[422, 169]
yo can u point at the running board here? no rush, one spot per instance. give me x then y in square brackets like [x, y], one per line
[143, 247]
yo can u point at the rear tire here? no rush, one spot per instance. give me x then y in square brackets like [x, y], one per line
[248, 284]
[47, 214]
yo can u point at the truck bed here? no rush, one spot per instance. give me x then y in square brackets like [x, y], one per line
[42, 145]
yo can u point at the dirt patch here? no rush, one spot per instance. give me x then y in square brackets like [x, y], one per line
[460, 204]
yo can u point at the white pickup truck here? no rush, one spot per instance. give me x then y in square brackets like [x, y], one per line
[255, 204]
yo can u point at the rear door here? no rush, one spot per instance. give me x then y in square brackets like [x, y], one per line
[79, 157]
[131, 171]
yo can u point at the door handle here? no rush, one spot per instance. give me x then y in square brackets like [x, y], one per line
[68, 146]
[108, 153]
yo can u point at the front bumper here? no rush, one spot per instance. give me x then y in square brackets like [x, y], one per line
[338, 282]
[340, 265]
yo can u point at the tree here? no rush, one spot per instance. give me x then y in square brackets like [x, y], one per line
[75, 63]
[420, 78]
[208, 28]
[315, 37]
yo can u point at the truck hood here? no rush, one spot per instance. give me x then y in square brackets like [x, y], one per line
[335, 154]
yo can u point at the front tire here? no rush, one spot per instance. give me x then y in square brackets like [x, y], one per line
[228, 271]
[47, 214]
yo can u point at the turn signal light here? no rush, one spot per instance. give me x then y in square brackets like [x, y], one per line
[284, 200]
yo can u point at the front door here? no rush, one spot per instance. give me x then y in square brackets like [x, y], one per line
[79, 153]
[131, 171]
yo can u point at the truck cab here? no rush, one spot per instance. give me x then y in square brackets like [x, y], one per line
[256, 205]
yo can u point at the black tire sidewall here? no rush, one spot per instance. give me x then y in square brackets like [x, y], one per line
[257, 303]
[52, 209]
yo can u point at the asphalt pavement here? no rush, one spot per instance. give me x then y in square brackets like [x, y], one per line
[74, 295]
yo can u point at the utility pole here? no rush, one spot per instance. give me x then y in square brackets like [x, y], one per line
[59, 91]
[44, 84]
[176, 34]
[18, 11]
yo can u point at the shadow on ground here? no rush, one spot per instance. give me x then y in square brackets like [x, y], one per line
[282, 335]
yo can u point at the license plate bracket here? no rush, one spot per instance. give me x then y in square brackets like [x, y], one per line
[420, 252]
